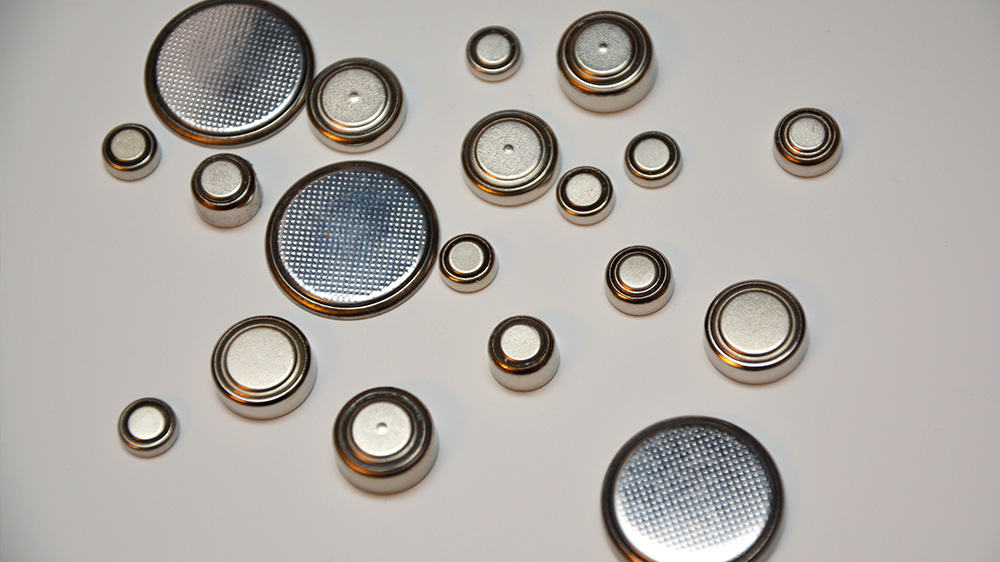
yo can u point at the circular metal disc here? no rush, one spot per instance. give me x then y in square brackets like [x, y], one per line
[585, 195]
[523, 353]
[606, 62]
[652, 159]
[263, 367]
[352, 240]
[356, 104]
[130, 152]
[229, 72]
[692, 489]
[510, 157]
[147, 427]
[385, 440]
[807, 142]
[638, 280]
[493, 53]
[755, 332]
[467, 263]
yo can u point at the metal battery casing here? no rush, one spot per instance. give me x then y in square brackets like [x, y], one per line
[652, 159]
[467, 263]
[585, 195]
[356, 105]
[147, 427]
[130, 152]
[493, 53]
[523, 353]
[225, 190]
[638, 280]
[807, 142]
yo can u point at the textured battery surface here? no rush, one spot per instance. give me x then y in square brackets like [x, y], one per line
[692, 493]
[353, 236]
[230, 69]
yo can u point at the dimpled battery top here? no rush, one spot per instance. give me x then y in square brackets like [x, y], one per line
[352, 239]
[356, 105]
[606, 62]
[692, 489]
[229, 72]
[510, 157]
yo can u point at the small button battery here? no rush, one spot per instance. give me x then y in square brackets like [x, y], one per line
[638, 280]
[467, 263]
[356, 105]
[147, 427]
[130, 152]
[755, 332]
[606, 62]
[807, 143]
[523, 353]
[385, 440]
[493, 53]
[225, 189]
[585, 195]
[510, 157]
[652, 159]
[263, 367]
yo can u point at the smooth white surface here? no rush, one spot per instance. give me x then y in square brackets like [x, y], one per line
[886, 435]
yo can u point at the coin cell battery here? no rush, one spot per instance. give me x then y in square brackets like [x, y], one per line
[263, 367]
[510, 157]
[807, 143]
[352, 239]
[755, 332]
[356, 105]
[385, 440]
[585, 195]
[606, 62]
[638, 281]
[227, 72]
[467, 263]
[523, 353]
[147, 427]
[493, 53]
[130, 152]
[225, 190]
[652, 159]
[692, 489]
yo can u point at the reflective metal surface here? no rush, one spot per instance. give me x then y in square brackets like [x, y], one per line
[638, 280]
[755, 332]
[606, 62]
[263, 367]
[352, 239]
[692, 489]
[510, 157]
[229, 71]
[385, 440]
[130, 152]
[523, 353]
[225, 189]
[356, 105]
[467, 263]
[585, 195]
[493, 53]
[147, 427]
[807, 142]
[652, 159]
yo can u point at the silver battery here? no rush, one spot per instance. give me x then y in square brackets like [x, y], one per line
[147, 427]
[755, 332]
[692, 489]
[263, 367]
[229, 72]
[130, 152]
[638, 280]
[585, 195]
[523, 353]
[510, 157]
[493, 53]
[385, 440]
[356, 105]
[467, 263]
[352, 239]
[606, 62]
[652, 159]
[807, 142]
[225, 189]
